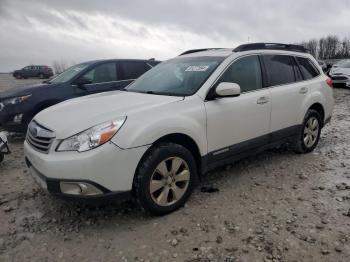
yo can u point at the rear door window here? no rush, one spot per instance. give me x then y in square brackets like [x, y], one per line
[307, 68]
[133, 70]
[279, 69]
[246, 72]
[297, 72]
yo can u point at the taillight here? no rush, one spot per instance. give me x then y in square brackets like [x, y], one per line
[329, 82]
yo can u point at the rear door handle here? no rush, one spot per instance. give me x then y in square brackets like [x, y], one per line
[262, 100]
[303, 90]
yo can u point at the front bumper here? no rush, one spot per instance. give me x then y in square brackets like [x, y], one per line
[13, 122]
[108, 168]
[4, 148]
[53, 186]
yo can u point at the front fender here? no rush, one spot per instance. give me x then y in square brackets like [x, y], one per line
[144, 129]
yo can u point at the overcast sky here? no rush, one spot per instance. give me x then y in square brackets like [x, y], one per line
[41, 31]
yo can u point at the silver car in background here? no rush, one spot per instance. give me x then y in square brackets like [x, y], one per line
[340, 72]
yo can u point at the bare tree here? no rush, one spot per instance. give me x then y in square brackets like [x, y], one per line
[312, 46]
[345, 48]
[59, 66]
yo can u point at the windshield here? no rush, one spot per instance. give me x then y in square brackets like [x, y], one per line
[69, 73]
[178, 77]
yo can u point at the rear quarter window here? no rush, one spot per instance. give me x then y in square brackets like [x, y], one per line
[307, 68]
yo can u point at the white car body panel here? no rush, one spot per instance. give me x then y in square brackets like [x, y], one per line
[107, 165]
[183, 117]
[232, 120]
[75, 115]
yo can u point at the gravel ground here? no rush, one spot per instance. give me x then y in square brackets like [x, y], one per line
[277, 206]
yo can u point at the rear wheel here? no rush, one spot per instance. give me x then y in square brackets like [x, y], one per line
[164, 180]
[309, 133]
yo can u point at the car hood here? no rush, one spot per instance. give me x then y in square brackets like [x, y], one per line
[340, 70]
[75, 115]
[21, 91]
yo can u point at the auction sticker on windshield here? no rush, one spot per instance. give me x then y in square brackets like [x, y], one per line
[202, 68]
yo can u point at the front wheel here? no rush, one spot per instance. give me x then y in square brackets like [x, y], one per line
[164, 180]
[309, 133]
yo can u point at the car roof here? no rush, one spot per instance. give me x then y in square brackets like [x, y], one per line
[226, 52]
[119, 60]
[255, 48]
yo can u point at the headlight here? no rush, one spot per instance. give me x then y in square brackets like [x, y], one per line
[92, 137]
[13, 101]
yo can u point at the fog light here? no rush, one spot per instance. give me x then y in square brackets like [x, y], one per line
[79, 188]
[18, 118]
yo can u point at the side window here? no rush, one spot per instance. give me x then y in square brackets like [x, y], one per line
[307, 68]
[133, 70]
[102, 73]
[246, 72]
[298, 74]
[279, 69]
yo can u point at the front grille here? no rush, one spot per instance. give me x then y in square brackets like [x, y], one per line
[39, 137]
[339, 78]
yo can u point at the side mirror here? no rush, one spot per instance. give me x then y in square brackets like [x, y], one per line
[80, 82]
[228, 89]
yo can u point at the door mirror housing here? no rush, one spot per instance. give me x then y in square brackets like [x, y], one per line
[228, 89]
[80, 82]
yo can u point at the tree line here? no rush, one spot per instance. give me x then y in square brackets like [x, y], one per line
[329, 47]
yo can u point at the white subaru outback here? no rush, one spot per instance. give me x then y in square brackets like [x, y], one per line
[182, 118]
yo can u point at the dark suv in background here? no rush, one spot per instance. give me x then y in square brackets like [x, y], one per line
[33, 71]
[19, 105]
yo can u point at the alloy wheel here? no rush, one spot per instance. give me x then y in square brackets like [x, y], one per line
[311, 131]
[169, 181]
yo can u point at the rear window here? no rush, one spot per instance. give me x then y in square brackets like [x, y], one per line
[279, 69]
[307, 68]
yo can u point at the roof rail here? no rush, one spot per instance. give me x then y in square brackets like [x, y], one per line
[198, 50]
[271, 46]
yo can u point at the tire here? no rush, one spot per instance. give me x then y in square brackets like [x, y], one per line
[166, 166]
[1, 157]
[309, 133]
[18, 76]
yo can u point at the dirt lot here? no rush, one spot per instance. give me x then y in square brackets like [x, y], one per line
[277, 206]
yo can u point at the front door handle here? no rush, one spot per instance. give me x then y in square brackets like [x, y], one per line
[303, 90]
[262, 100]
